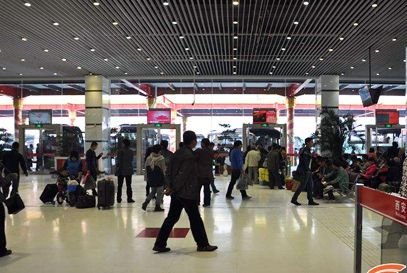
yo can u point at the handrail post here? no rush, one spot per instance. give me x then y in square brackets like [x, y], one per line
[357, 264]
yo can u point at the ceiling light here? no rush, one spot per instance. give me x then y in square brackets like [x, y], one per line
[92, 49]
[342, 74]
[363, 60]
[162, 73]
[296, 22]
[166, 3]
[55, 73]
[195, 66]
[235, 37]
[174, 22]
[139, 49]
[4, 68]
[234, 66]
[374, 5]
[313, 66]
[46, 50]
[187, 48]
[55, 23]
[389, 68]
[306, 73]
[235, 49]
[235, 22]
[63, 59]
[355, 24]
[271, 73]
[331, 49]
[306, 3]
[274, 67]
[278, 59]
[198, 72]
[288, 38]
[235, 3]
[79, 68]
[96, 3]
[404, 60]
[41, 68]
[377, 51]
[24, 39]
[20, 74]
[378, 74]
[352, 67]
[148, 59]
[181, 37]
[283, 49]
[106, 59]
[394, 39]
[234, 73]
[341, 38]
[117, 67]
[23, 60]
[321, 59]
[128, 37]
[125, 73]
[27, 4]
[76, 38]
[234, 58]
[191, 58]
[115, 23]
[156, 67]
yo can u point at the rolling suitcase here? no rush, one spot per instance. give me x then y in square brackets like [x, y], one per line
[106, 193]
[49, 193]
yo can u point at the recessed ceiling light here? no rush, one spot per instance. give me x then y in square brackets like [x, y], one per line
[195, 66]
[4, 68]
[404, 60]
[106, 59]
[306, 3]
[187, 48]
[24, 39]
[162, 73]
[235, 22]
[191, 58]
[181, 37]
[288, 38]
[115, 23]
[342, 74]
[394, 39]
[20, 74]
[331, 49]
[235, 3]
[234, 73]
[355, 24]
[55, 23]
[321, 59]
[63, 59]
[296, 22]
[313, 66]
[156, 67]
[234, 58]
[274, 67]
[55, 73]
[76, 38]
[234, 66]
[166, 3]
[27, 4]
[125, 73]
[41, 68]
[352, 67]
[139, 49]
[306, 73]
[377, 51]
[278, 59]
[92, 49]
[363, 60]
[235, 49]
[198, 72]
[148, 59]
[46, 50]
[389, 68]
[79, 68]
[341, 38]
[128, 37]
[174, 22]
[235, 37]
[271, 73]
[283, 49]
[96, 3]
[374, 5]
[117, 67]
[23, 60]
[378, 74]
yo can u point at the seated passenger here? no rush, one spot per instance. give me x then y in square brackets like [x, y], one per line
[73, 166]
[369, 172]
[338, 178]
[372, 154]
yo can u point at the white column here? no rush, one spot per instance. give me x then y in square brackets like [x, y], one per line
[97, 115]
[327, 92]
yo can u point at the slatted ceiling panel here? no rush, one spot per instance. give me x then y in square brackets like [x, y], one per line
[262, 30]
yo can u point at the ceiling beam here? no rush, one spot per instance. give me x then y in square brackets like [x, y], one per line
[303, 85]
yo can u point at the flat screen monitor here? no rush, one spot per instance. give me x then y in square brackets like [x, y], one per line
[40, 117]
[365, 96]
[155, 116]
[387, 117]
[264, 115]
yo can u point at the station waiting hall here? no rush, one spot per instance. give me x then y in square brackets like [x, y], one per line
[203, 136]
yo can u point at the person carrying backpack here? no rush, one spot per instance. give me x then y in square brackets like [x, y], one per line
[155, 169]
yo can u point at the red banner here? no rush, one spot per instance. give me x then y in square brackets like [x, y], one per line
[387, 205]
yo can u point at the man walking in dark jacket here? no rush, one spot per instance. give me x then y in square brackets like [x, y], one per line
[204, 157]
[12, 161]
[304, 171]
[92, 162]
[184, 188]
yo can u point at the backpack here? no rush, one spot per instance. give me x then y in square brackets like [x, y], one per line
[155, 177]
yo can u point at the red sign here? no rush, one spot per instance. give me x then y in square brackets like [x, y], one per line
[387, 205]
[384, 117]
[264, 115]
[159, 116]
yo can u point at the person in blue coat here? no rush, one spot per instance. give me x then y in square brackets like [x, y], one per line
[236, 160]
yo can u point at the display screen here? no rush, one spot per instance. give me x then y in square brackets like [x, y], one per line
[40, 117]
[264, 115]
[365, 96]
[385, 117]
[155, 116]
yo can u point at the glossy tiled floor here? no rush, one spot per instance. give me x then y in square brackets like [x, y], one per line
[265, 234]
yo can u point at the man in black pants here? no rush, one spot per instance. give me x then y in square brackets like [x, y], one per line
[3, 250]
[204, 157]
[92, 162]
[304, 170]
[12, 162]
[185, 190]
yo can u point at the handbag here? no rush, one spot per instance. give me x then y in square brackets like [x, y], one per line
[14, 204]
[242, 182]
[88, 182]
[85, 201]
